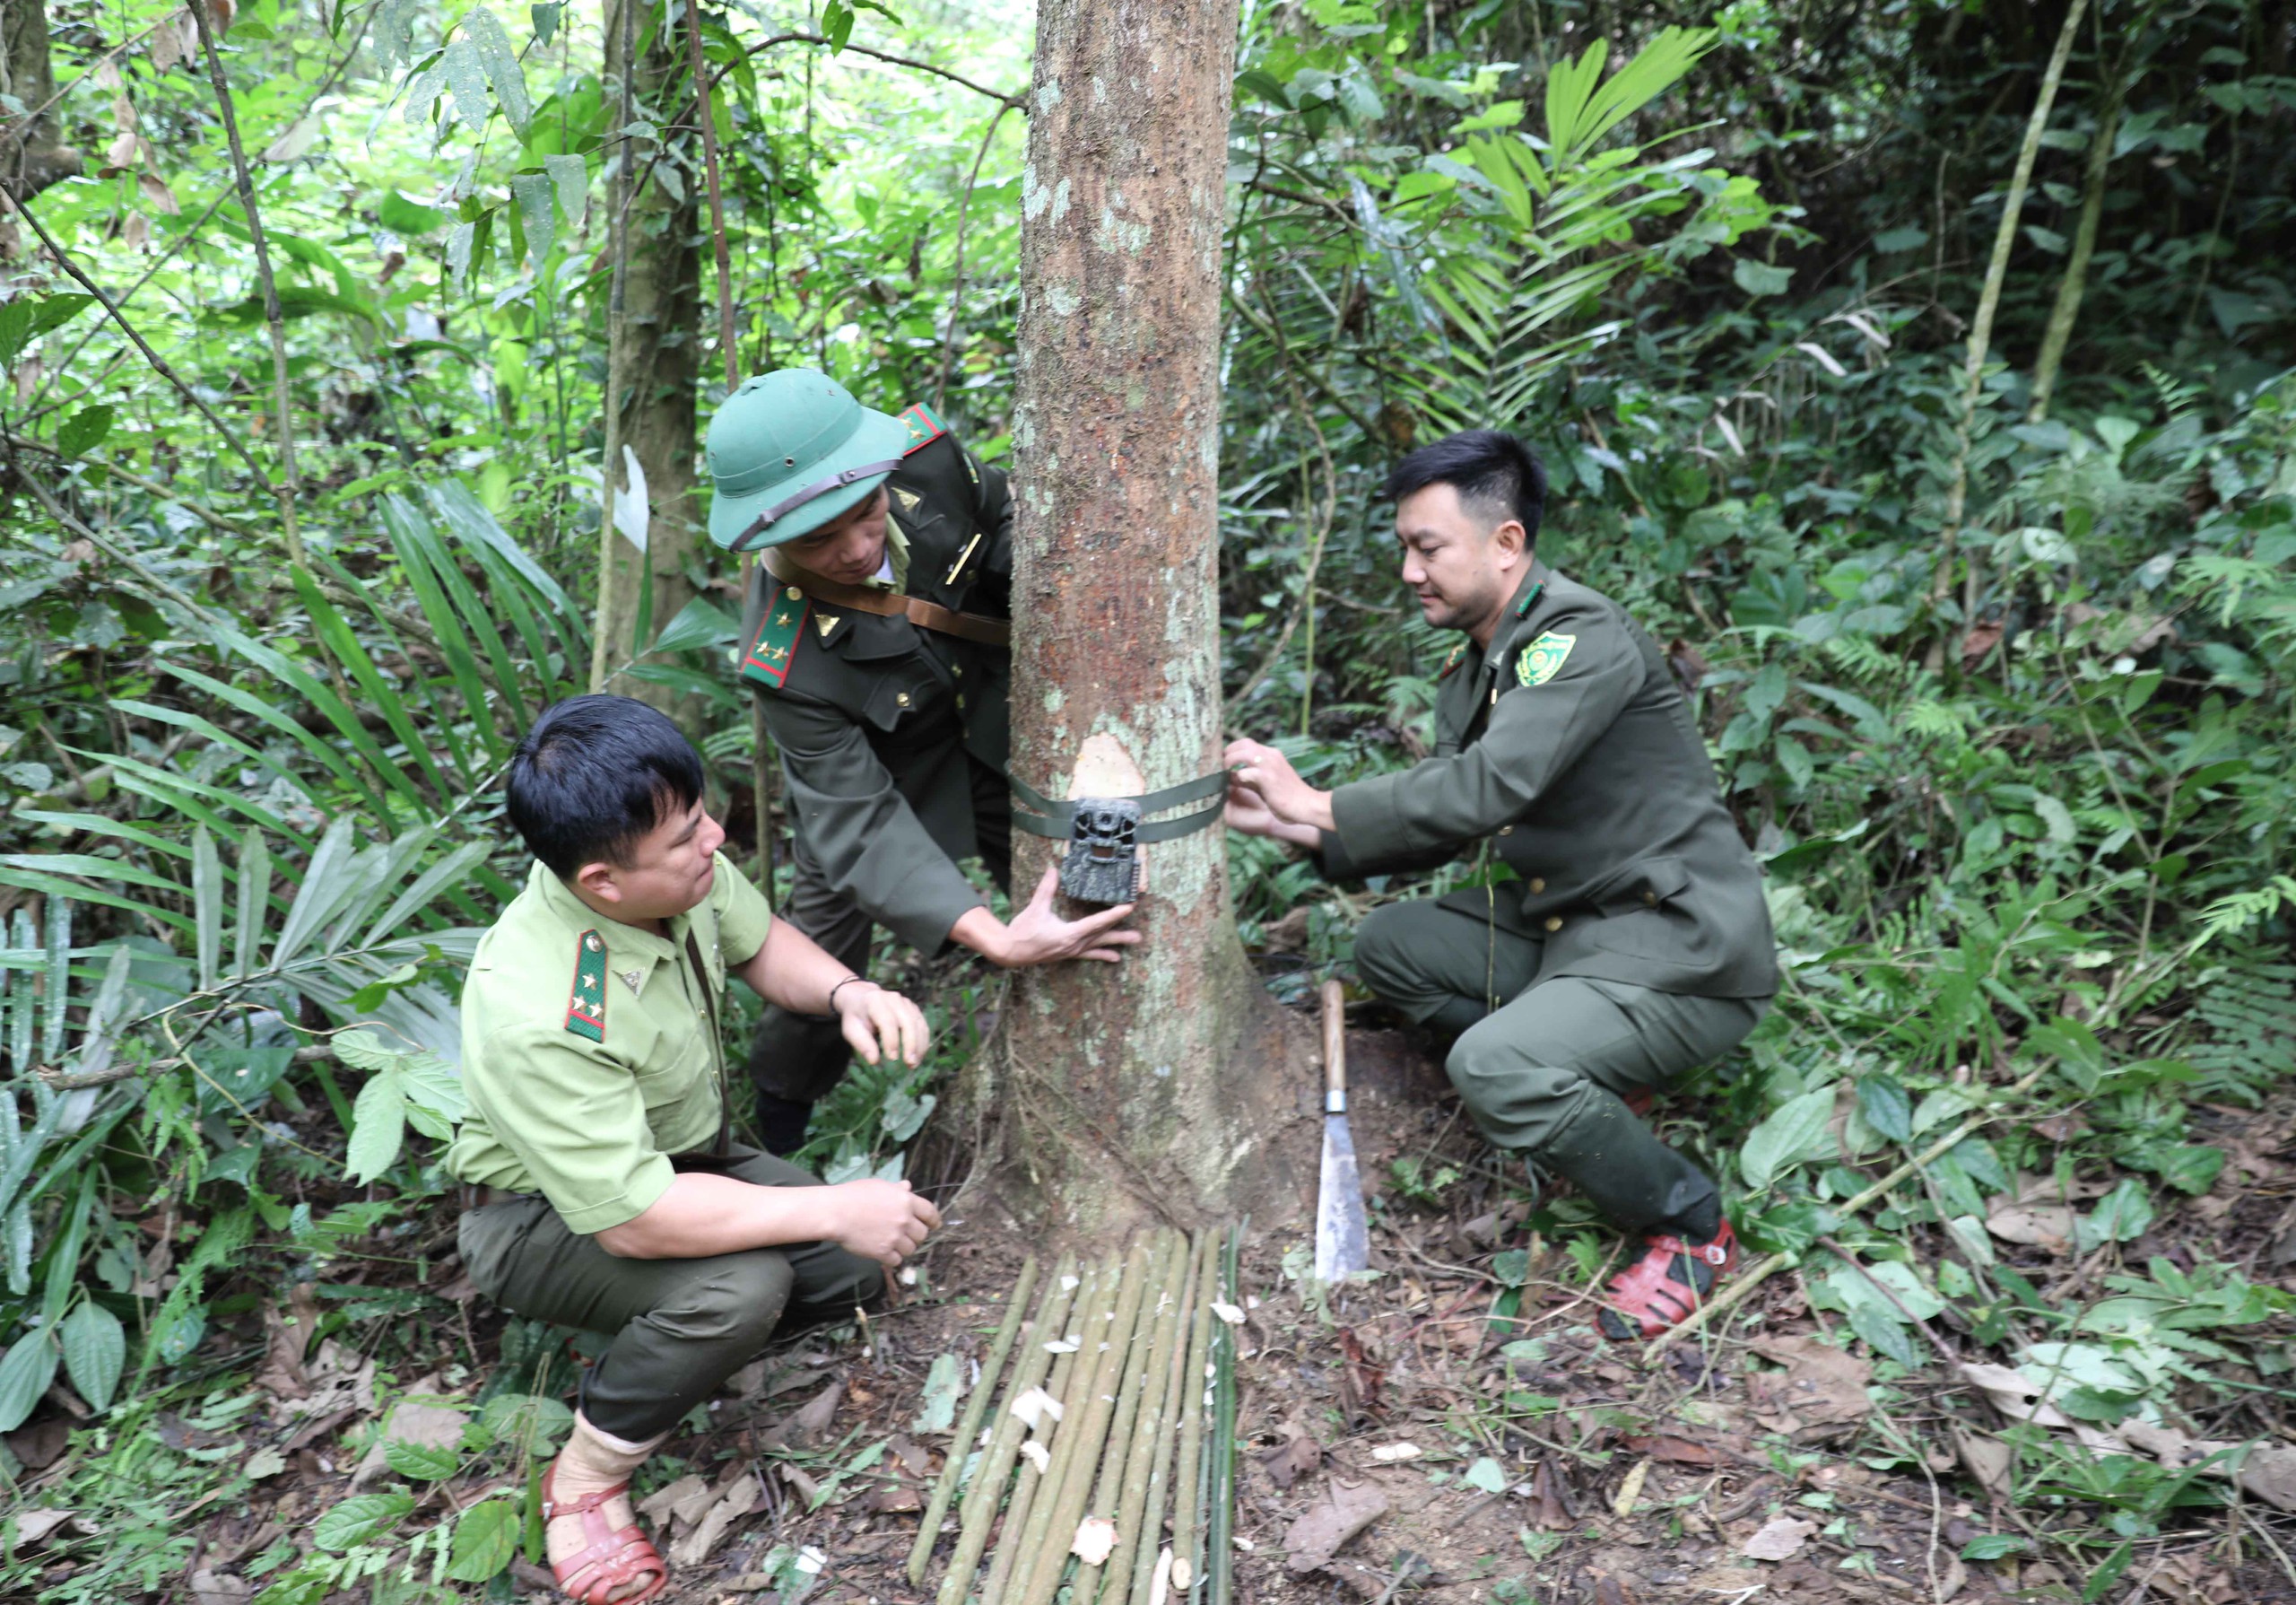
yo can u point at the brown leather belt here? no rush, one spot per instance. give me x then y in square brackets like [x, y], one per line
[478, 1196]
[892, 605]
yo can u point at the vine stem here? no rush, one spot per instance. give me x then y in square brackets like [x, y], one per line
[957, 288]
[290, 486]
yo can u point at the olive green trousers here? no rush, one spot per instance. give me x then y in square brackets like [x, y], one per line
[1544, 1074]
[680, 1327]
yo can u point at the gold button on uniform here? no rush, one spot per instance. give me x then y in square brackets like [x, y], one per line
[795, 595]
[902, 699]
[1506, 830]
[957, 669]
[1538, 883]
[1651, 898]
[1554, 921]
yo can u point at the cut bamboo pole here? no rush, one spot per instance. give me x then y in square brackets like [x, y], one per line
[1071, 1477]
[976, 1408]
[1220, 1524]
[1140, 1514]
[1072, 1385]
[1130, 1428]
[1187, 1477]
[986, 1492]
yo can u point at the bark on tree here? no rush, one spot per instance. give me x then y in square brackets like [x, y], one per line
[1142, 1086]
[653, 358]
[30, 159]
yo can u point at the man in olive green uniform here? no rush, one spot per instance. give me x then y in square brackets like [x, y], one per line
[877, 640]
[601, 1188]
[1632, 942]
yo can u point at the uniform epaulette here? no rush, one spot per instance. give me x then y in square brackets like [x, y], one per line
[1451, 662]
[778, 628]
[586, 1003]
[1523, 608]
[924, 429]
[1543, 657]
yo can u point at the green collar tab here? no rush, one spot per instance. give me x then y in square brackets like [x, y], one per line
[586, 1005]
[1530, 600]
[767, 661]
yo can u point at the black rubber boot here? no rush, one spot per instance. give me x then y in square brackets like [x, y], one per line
[781, 1123]
[1638, 1181]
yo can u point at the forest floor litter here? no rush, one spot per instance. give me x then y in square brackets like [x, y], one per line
[1396, 1438]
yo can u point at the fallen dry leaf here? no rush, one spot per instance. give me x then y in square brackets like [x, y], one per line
[1987, 1458]
[663, 1503]
[1781, 1539]
[2039, 1225]
[1679, 1452]
[807, 1422]
[1298, 1455]
[33, 1525]
[694, 1547]
[39, 1445]
[218, 1588]
[1329, 1522]
[2267, 1471]
[1822, 1386]
[1631, 1489]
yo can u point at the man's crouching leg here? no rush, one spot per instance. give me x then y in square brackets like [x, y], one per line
[680, 1328]
[1542, 1077]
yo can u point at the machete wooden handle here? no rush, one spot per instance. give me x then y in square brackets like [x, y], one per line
[1334, 999]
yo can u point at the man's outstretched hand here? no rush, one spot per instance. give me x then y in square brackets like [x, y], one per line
[1267, 798]
[1039, 935]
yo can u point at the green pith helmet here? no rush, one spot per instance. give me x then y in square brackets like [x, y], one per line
[789, 451]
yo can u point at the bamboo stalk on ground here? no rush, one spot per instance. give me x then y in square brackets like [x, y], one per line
[1073, 1379]
[981, 1499]
[1187, 1477]
[1054, 1523]
[976, 1408]
[1131, 1428]
[1221, 1522]
[1140, 1517]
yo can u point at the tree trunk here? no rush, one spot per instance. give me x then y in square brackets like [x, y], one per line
[653, 359]
[1140, 1087]
[31, 160]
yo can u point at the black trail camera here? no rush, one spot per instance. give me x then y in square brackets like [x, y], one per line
[1103, 862]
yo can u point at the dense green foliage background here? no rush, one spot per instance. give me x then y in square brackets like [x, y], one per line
[2021, 778]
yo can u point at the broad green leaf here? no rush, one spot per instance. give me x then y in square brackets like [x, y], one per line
[1797, 1132]
[25, 1372]
[530, 1423]
[534, 194]
[360, 1518]
[422, 1462]
[699, 623]
[1886, 1106]
[95, 1352]
[24, 320]
[571, 176]
[84, 430]
[1486, 1474]
[1759, 278]
[377, 1127]
[486, 1539]
[465, 72]
[255, 902]
[943, 1384]
[412, 218]
[499, 61]
[207, 902]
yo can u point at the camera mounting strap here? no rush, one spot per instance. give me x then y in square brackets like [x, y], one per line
[1041, 815]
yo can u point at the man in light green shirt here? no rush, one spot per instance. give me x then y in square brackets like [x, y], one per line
[602, 1189]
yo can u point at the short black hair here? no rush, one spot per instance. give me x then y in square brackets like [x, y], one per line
[594, 775]
[1495, 474]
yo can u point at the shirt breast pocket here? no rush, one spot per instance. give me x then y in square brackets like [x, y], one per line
[1640, 913]
[896, 697]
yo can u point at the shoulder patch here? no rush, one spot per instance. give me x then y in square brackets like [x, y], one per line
[586, 1003]
[1451, 662]
[1543, 657]
[924, 429]
[767, 661]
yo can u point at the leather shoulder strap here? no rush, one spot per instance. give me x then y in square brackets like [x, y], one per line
[885, 604]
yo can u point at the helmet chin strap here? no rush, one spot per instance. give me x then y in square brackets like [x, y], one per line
[748, 540]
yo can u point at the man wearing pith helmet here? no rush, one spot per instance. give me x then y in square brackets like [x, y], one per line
[877, 639]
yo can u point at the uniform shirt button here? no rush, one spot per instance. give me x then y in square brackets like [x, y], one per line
[957, 669]
[1506, 830]
[1538, 883]
[795, 595]
[1651, 898]
[902, 699]
[1554, 921]
[961, 699]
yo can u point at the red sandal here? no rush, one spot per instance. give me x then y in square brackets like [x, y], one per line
[611, 1557]
[1661, 1289]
